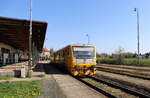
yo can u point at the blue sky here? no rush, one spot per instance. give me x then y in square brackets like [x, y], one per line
[110, 23]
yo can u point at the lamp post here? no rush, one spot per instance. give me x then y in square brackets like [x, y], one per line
[30, 41]
[88, 38]
[138, 34]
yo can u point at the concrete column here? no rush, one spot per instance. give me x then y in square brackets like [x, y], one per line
[16, 58]
[5, 58]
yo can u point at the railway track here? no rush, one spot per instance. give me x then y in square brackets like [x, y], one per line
[100, 90]
[146, 69]
[130, 88]
[110, 82]
[126, 92]
[127, 73]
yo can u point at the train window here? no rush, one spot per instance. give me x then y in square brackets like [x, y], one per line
[68, 52]
[63, 53]
[59, 55]
[3, 50]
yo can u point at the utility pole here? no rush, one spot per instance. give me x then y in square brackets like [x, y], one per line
[88, 38]
[138, 34]
[30, 42]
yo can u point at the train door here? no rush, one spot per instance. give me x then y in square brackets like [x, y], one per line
[69, 59]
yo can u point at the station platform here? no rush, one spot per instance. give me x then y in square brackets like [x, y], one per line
[14, 70]
[69, 87]
[73, 88]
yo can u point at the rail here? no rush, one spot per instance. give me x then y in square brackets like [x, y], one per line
[124, 88]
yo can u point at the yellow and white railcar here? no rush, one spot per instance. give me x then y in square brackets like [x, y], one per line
[78, 59]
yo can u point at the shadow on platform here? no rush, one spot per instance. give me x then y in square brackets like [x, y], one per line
[48, 69]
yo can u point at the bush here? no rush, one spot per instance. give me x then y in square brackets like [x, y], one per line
[106, 60]
[119, 59]
[124, 61]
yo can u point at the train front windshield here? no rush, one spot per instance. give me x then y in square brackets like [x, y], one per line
[83, 51]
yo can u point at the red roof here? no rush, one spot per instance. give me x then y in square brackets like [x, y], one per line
[45, 50]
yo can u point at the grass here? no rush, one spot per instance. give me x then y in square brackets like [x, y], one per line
[21, 89]
[42, 75]
[145, 61]
[5, 78]
[126, 61]
[134, 61]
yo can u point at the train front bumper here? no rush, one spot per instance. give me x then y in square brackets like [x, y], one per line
[84, 70]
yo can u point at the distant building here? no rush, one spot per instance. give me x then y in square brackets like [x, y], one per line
[45, 54]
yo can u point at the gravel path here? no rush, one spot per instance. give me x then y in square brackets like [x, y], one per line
[50, 89]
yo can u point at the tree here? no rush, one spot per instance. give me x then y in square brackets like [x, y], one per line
[119, 55]
[102, 55]
[128, 55]
[147, 55]
[98, 54]
[51, 52]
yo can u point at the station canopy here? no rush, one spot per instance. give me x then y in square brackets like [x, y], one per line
[15, 32]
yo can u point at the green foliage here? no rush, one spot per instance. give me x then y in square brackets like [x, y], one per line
[5, 78]
[126, 61]
[106, 60]
[134, 61]
[42, 75]
[119, 57]
[128, 55]
[102, 55]
[19, 89]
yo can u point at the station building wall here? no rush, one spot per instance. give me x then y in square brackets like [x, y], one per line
[8, 54]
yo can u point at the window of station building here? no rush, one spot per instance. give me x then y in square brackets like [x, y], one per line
[1, 58]
[61, 53]
[3, 50]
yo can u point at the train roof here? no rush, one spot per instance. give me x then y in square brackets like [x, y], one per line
[82, 45]
[76, 45]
